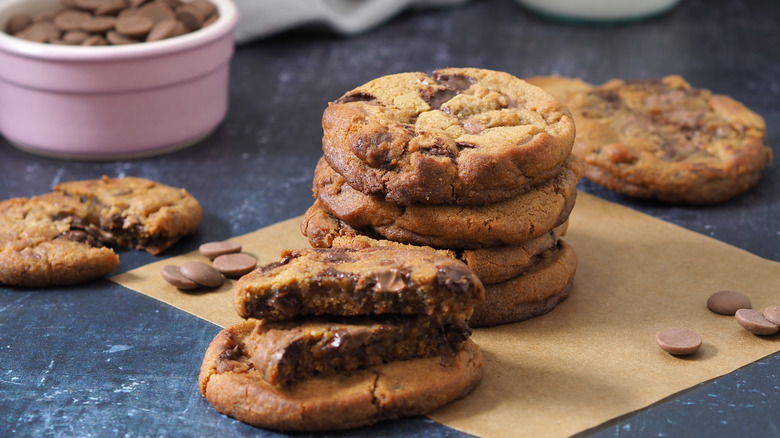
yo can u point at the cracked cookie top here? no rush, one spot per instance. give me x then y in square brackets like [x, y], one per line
[456, 136]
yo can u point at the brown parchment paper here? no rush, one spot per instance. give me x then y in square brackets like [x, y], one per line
[594, 357]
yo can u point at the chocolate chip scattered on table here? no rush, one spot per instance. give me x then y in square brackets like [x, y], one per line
[226, 259]
[113, 22]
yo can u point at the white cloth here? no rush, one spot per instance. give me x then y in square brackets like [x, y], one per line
[260, 18]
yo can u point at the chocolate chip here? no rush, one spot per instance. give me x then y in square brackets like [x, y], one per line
[235, 265]
[70, 20]
[172, 274]
[678, 341]
[436, 98]
[18, 22]
[772, 314]
[117, 38]
[134, 26]
[454, 279]
[162, 30]
[111, 7]
[201, 273]
[356, 97]
[98, 25]
[454, 82]
[727, 302]
[755, 322]
[213, 250]
[389, 280]
[191, 16]
[157, 12]
[74, 37]
[111, 21]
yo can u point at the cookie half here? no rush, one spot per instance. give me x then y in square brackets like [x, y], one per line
[137, 212]
[533, 293]
[456, 136]
[230, 382]
[348, 282]
[664, 139]
[43, 243]
[65, 237]
[491, 264]
[291, 351]
[509, 222]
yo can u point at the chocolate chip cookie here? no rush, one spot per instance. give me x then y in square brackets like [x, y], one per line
[65, 237]
[44, 242]
[509, 222]
[347, 282]
[664, 139]
[230, 381]
[456, 136]
[534, 292]
[493, 264]
[290, 351]
[137, 212]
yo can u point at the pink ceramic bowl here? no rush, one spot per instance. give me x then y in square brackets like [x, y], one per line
[111, 102]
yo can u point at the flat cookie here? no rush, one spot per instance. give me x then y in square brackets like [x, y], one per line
[230, 382]
[664, 139]
[494, 264]
[346, 282]
[41, 244]
[457, 136]
[139, 213]
[533, 293]
[64, 237]
[510, 222]
[291, 351]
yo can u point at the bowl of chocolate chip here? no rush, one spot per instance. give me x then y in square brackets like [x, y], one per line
[110, 79]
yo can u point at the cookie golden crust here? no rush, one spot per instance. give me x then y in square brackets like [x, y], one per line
[347, 282]
[532, 293]
[494, 264]
[65, 237]
[510, 222]
[664, 139]
[140, 213]
[230, 382]
[457, 136]
[41, 243]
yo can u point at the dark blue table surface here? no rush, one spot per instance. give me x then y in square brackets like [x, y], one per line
[101, 360]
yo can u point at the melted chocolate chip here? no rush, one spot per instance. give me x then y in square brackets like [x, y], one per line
[462, 145]
[339, 258]
[436, 98]
[456, 83]
[357, 97]
[454, 279]
[286, 304]
[231, 353]
[389, 280]
[376, 149]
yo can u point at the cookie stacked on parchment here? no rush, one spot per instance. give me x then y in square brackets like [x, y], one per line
[338, 338]
[472, 162]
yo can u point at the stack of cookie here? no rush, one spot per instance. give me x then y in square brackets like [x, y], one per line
[472, 162]
[339, 338]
